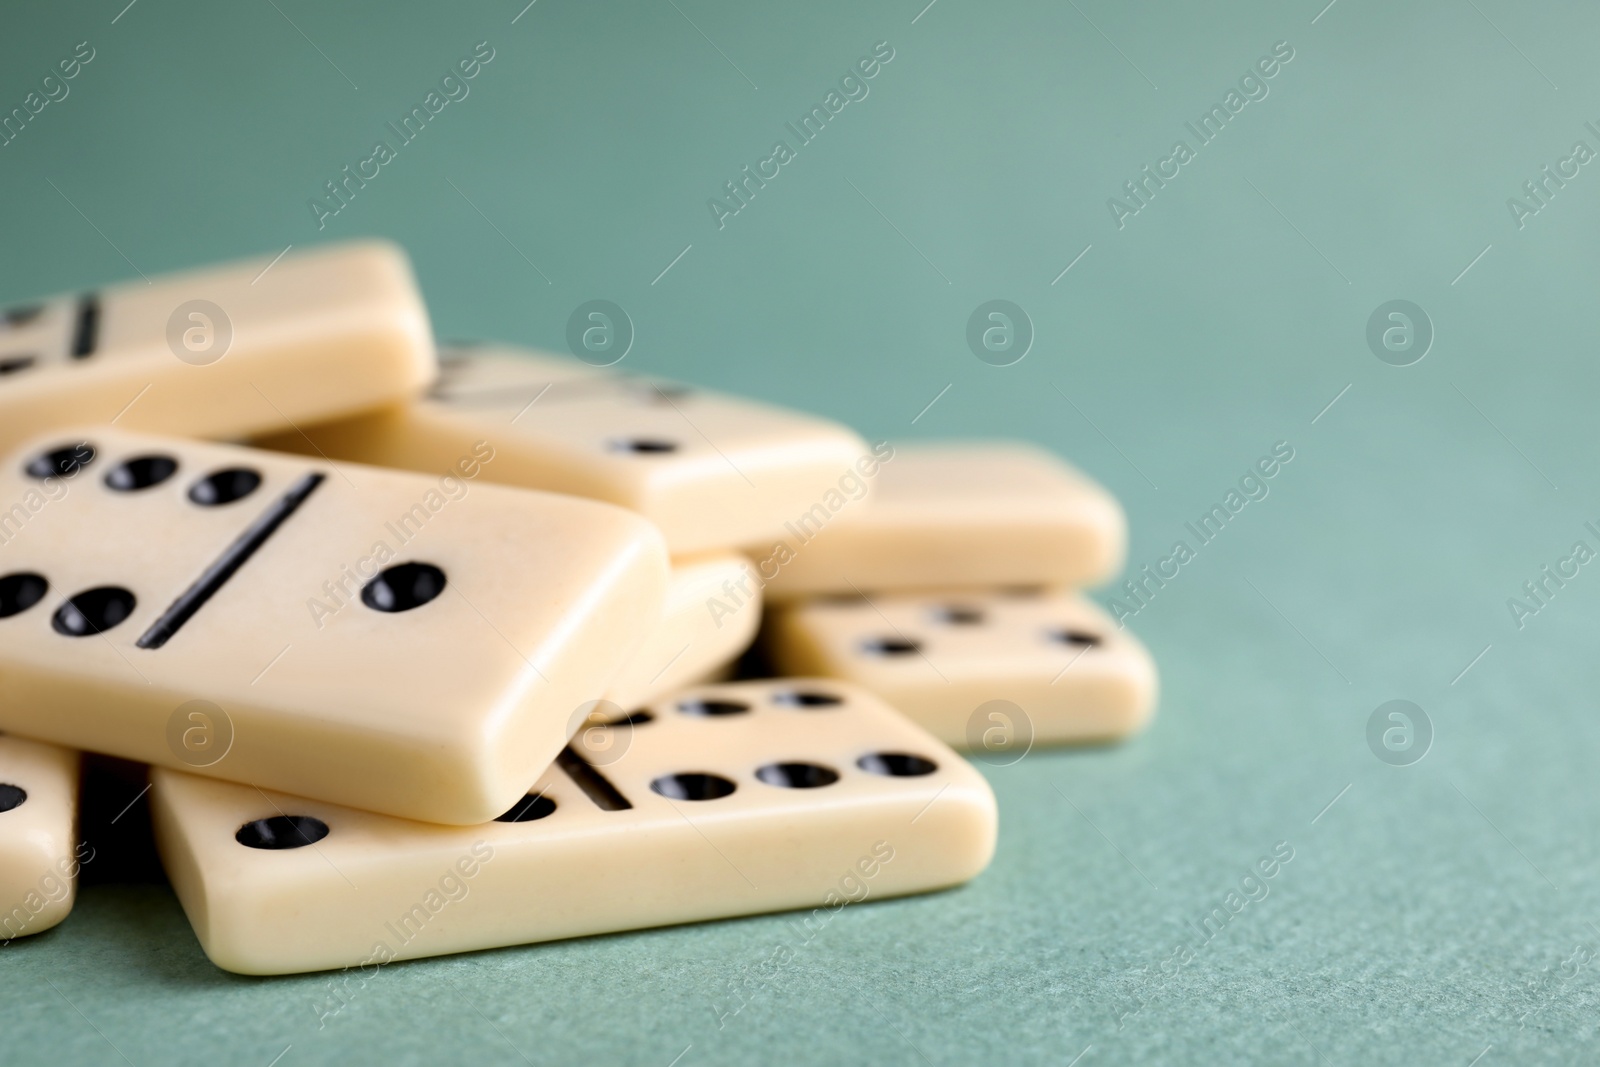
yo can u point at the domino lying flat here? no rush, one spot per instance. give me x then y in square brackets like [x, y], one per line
[942, 659]
[710, 470]
[692, 640]
[408, 644]
[728, 800]
[39, 852]
[221, 352]
[969, 515]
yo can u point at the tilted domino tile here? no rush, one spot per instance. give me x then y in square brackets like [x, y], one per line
[408, 644]
[700, 629]
[39, 851]
[221, 352]
[722, 801]
[712, 471]
[970, 514]
[942, 658]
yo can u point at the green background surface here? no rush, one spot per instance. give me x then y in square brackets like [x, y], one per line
[1435, 913]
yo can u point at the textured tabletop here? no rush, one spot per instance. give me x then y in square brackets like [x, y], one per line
[1238, 296]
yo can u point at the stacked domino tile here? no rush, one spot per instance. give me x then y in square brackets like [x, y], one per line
[472, 629]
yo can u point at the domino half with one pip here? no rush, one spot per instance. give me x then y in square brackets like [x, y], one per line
[39, 850]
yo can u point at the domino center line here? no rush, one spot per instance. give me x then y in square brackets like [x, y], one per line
[87, 333]
[233, 557]
[594, 784]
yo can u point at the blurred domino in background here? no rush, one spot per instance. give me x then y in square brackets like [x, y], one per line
[224, 351]
[712, 471]
[981, 670]
[965, 514]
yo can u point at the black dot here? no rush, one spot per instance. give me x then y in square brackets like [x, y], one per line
[21, 316]
[891, 646]
[11, 796]
[1076, 638]
[141, 472]
[21, 591]
[224, 487]
[692, 785]
[93, 611]
[403, 587]
[799, 698]
[282, 831]
[797, 775]
[644, 446]
[15, 363]
[713, 707]
[61, 462]
[959, 614]
[531, 807]
[896, 764]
